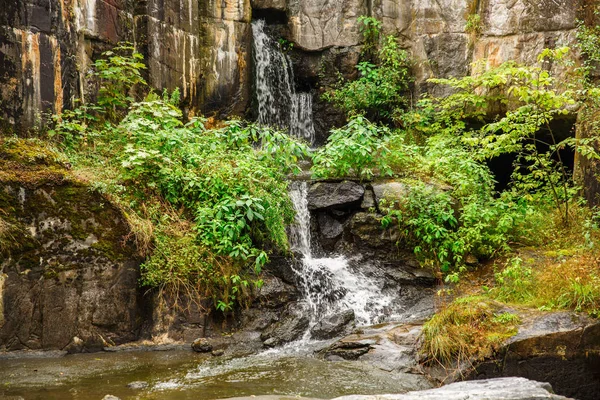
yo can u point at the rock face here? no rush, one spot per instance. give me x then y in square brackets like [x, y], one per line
[560, 348]
[497, 389]
[46, 49]
[68, 277]
[204, 47]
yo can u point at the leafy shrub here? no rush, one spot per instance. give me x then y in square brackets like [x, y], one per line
[383, 81]
[230, 181]
[357, 149]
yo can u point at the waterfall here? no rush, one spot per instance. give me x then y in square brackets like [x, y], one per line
[278, 103]
[329, 284]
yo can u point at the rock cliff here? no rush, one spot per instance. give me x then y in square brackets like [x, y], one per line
[204, 48]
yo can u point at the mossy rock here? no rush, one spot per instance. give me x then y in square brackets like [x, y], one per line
[70, 272]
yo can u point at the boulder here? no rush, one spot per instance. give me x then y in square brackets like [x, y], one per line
[334, 195]
[489, 389]
[292, 325]
[202, 345]
[332, 325]
[562, 348]
[275, 293]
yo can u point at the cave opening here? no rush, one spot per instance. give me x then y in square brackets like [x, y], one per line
[503, 166]
[271, 16]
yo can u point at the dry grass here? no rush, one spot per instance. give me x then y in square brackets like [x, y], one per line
[469, 328]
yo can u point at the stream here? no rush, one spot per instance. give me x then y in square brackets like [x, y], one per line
[183, 374]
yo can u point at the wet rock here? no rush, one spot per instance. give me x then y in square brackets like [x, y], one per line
[218, 353]
[367, 232]
[334, 195]
[110, 397]
[329, 227]
[332, 325]
[275, 293]
[137, 385]
[347, 350]
[202, 345]
[71, 281]
[293, 323]
[496, 389]
[281, 267]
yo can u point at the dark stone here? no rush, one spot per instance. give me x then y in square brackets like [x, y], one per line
[292, 325]
[334, 195]
[348, 350]
[275, 293]
[71, 280]
[367, 232]
[202, 345]
[332, 325]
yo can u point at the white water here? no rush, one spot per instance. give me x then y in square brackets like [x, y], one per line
[278, 103]
[330, 285]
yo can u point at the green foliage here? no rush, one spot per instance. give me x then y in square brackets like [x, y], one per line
[473, 25]
[119, 71]
[535, 98]
[370, 28]
[230, 180]
[514, 282]
[357, 149]
[208, 205]
[383, 79]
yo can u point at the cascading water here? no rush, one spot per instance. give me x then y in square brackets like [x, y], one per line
[329, 285]
[278, 103]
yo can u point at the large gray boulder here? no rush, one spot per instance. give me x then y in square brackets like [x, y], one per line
[334, 195]
[488, 389]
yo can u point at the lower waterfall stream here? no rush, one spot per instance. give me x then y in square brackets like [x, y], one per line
[328, 284]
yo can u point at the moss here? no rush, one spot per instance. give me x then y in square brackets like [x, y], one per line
[30, 161]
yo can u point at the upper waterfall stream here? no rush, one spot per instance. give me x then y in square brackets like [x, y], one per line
[278, 103]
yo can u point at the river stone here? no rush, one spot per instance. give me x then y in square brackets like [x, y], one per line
[202, 345]
[110, 397]
[332, 325]
[488, 389]
[137, 385]
[334, 195]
